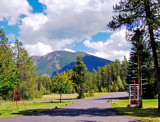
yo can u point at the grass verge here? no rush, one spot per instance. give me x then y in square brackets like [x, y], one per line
[148, 113]
[6, 109]
[98, 94]
[52, 97]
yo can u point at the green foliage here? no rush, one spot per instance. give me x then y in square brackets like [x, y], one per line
[104, 89]
[107, 78]
[44, 84]
[79, 76]
[17, 71]
[8, 73]
[144, 14]
[120, 84]
[147, 68]
[61, 83]
[25, 71]
[90, 93]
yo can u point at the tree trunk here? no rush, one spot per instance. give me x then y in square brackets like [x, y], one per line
[60, 97]
[139, 76]
[153, 46]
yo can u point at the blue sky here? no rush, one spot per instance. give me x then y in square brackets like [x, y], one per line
[74, 25]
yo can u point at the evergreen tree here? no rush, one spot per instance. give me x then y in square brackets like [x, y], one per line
[89, 86]
[94, 79]
[147, 70]
[99, 79]
[79, 76]
[124, 69]
[8, 74]
[120, 84]
[25, 71]
[44, 84]
[146, 15]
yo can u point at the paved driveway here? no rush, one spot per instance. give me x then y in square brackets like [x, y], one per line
[85, 110]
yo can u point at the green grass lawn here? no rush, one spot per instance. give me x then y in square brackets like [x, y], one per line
[148, 113]
[6, 110]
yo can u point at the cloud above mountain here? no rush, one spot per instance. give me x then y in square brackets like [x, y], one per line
[11, 10]
[62, 23]
[113, 48]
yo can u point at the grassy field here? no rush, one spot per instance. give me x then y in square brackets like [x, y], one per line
[53, 97]
[148, 113]
[6, 109]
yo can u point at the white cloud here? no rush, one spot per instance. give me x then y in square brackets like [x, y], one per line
[11, 37]
[38, 49]
[11, 10]
[34, 21]
[66, 21]
[69, 50]
[116, 47]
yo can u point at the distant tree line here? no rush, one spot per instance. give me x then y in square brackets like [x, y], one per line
[110, 78]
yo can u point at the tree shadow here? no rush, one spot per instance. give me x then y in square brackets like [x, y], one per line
[136, 112]
[72, 112]
[109, 98]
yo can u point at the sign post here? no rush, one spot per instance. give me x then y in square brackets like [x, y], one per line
[134, 94]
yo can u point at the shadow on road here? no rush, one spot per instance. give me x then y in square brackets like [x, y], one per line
[111, 98]
[75, 112]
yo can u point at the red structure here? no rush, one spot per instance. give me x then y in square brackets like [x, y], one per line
[14, 95]
[133, 94]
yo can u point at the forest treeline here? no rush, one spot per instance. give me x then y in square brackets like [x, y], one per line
[17, 71]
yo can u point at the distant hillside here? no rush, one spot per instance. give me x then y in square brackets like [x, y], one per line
[60, 61]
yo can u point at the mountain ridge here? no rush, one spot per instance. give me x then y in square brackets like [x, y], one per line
[59, 61]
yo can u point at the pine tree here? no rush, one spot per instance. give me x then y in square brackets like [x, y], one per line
[147, 70]
[146, 15]
[124, 69]
[8, 74]
[79, 76]
[25, 71]
[99, 79]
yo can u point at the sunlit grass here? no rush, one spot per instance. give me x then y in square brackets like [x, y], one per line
[147, 113]
[52, 97]
[6, 109]
[98, 94]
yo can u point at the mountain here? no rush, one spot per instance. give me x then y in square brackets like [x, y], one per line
[60, 61]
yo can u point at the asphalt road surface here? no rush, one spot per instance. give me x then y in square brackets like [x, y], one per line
[85, 110]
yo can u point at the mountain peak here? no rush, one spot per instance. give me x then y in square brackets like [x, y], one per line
[59, 61]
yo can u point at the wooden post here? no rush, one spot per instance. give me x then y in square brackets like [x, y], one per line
[16, 99]
[13, 100]
[14, 95]
[21, 98]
